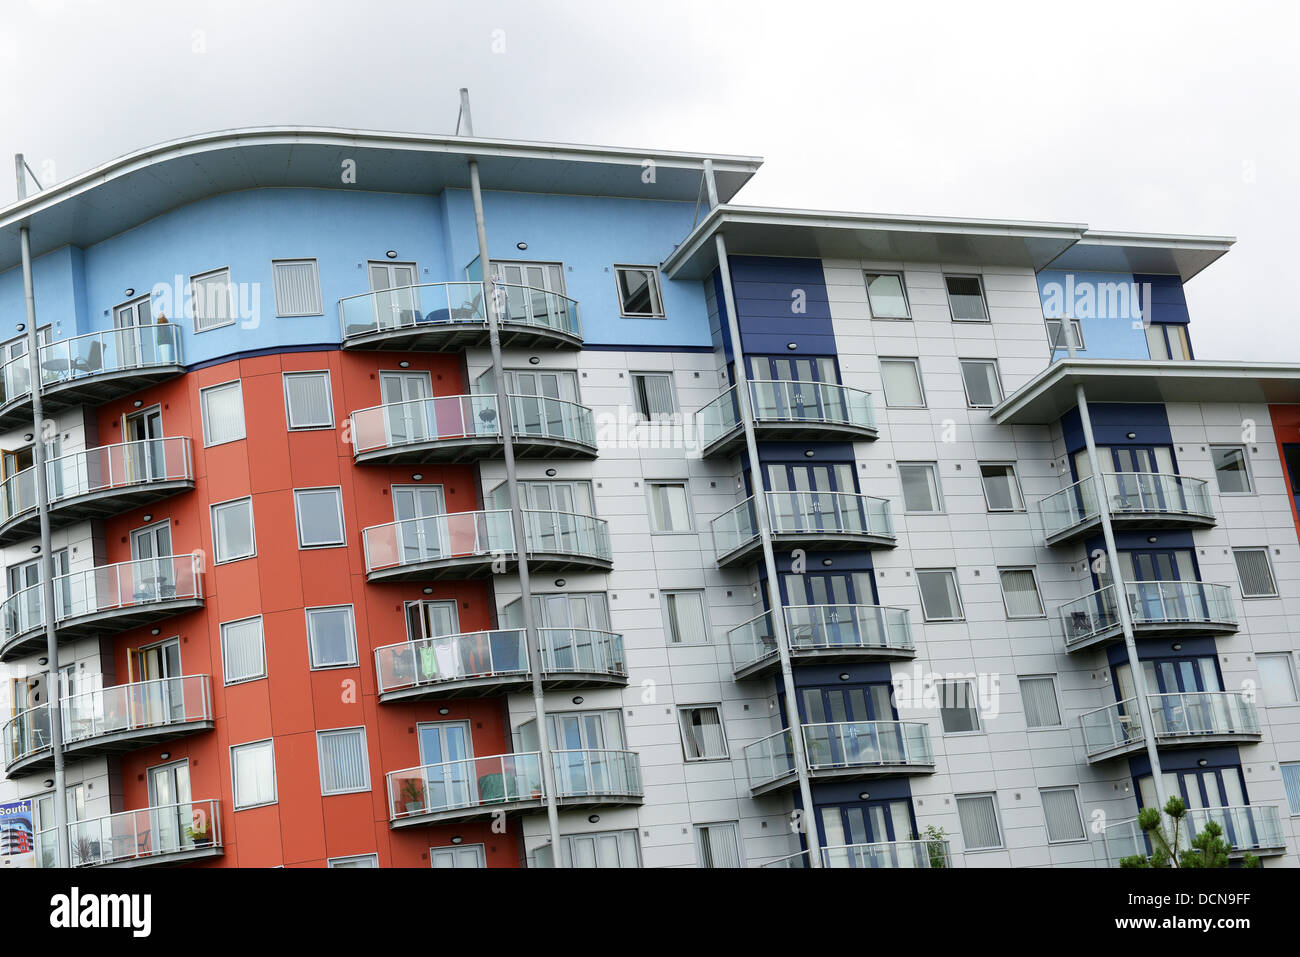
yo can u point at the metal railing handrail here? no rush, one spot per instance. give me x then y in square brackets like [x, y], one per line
[87, 714]
[156, 336]
[465, 655]
[920, 852]
[862, 506]
[90, 836]
[477, 519]
[463, 785]
[902, 738]
[625, 765]
[1129, 492]
[475, 308]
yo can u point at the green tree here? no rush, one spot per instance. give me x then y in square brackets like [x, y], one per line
[1207, 849]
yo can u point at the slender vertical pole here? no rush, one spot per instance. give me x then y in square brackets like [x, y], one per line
[516, 513]
[53, 692]
[793, 723]
[1121, 596]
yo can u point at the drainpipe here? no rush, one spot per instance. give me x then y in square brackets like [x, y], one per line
[516, 513]
[765, 538]
[43, 510]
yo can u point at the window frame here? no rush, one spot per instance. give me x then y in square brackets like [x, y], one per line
[667, 618]
[1038, 592]
[297, 518]
[971, 702]
[221, 637]
[1078, 807]
[332, 862]
[1246, 470]
[1015, 482]
[203, 412]
[1056, 698]
[329, 398]
[1268, 561]
[658, 293]
[365, 758]
[312, 664]
[682, 709]
[672, 394]
[920, 382]
[956, 584]
[867, 275]
[1294, 809]
[269, 744]
[252, 529]
[195, 299]
[1291, 672]
[938, 487]
[992, 797]
[984, 299]
[997, 379]
[733, 826]
[1078, 330]
[275, 287]
[685, 484]
[482, 852]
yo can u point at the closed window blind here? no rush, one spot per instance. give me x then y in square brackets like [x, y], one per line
[471, 855]
[684, 613]
[654, 395]
[668, 511]
[253, 769]
[966, 298]
[1061, 809]
[979, 821]
[719, 845]
[343, 761]
[297, 288]
[211, 293]
[307, 400]
[1254, 572]
[702, 733]
[232, 530]
[1039, 697]
[1291, 780]
[1020, 592]
[243, 651]
[223, 413]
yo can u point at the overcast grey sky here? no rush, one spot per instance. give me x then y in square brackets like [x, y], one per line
[1159, 117]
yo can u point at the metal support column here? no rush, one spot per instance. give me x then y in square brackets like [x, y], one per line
[745, 405]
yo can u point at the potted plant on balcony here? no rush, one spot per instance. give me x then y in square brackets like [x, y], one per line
[936, 846]
[199, 829]
[413, 795]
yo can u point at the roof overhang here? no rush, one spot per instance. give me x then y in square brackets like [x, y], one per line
[761, 231]
[1052, 393]
[1155, 253]
[139, 186]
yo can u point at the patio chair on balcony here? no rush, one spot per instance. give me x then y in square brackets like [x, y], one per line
[92, 362]
[1080, 623]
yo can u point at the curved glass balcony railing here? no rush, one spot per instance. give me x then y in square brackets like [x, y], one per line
[151, 835]
[458, 427]
[600, 776]
[1253, 828]
[831, 519]
[496, 660]
[841, 749]
[435, 315]
[1139, 498]
[830, 632]
[113, 718]
[1188, 717]
[790, 409]
[104, 598]
[889, 854]
[98, 482]
[1154, 606]
[566, 534]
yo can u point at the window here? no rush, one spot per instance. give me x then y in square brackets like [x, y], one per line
[253, 768]
[232, 530]
[966, 298]
[1231, 470]
[308, 403]
[1038, 694]
[243, 650]
[654, 394]
[719, 844]
[1001, 490]
[702, 736]
[1168, 341]
[344, 767]
[463, 855]
[1063, 816]
[684, 617]
[902, 382]
[940, 600]
[1277, 682]
[1020, 593]
[920, 481]
[1291, 781]
[212, 294]
[668, 507]
[638, 291]
[887, 296]
[597, 849]
[359, 860]
[979, 821]
[223, 413]
[983, 387]
[1056, 335]
[319, 512]
[958, 707]
[297, 288]
[1255, 573]
[331, 636]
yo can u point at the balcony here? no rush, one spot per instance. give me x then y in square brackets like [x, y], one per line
[822, 634]
[103, 600]
[1158, 609]
[465, 428]
[842, 750]
[439, 317]
[1250, 829]
[96, 483]
[1184, 718]
[496, 662]
[824, 521]
[510, 783]
[111, 720]
[787, 410]
[91, 369]
[473, 544]
[889, 854]
[164, 835]
[1137, 500]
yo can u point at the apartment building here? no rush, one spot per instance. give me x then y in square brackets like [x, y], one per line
[751, 537]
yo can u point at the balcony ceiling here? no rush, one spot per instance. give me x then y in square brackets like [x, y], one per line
[134, 188]
[1183, 256]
